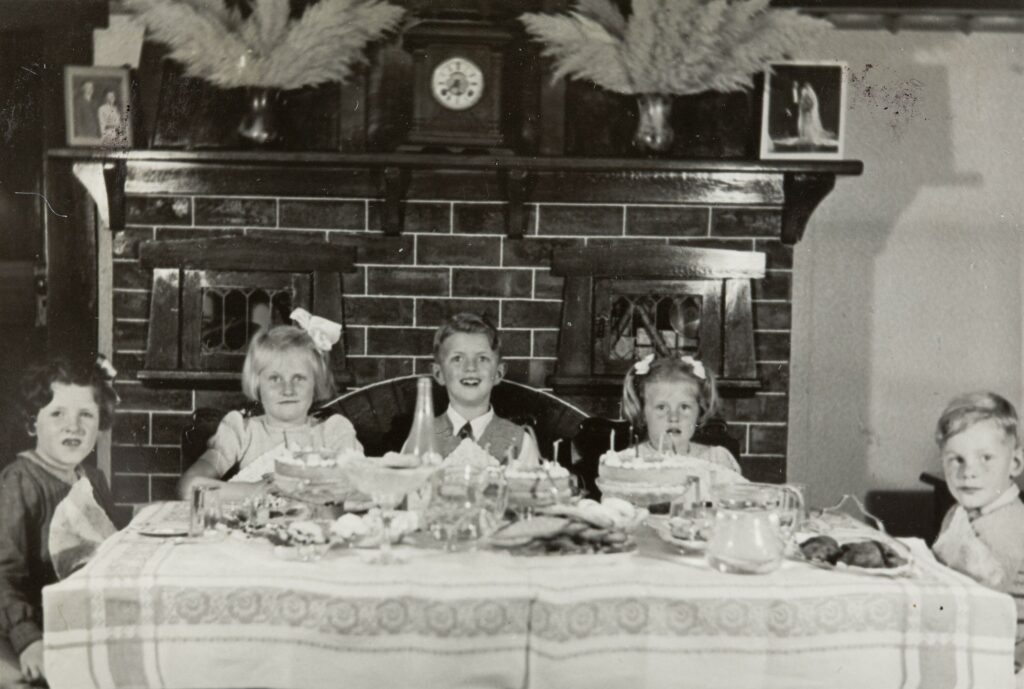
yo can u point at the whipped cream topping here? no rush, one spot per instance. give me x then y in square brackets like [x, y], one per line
[469, 453]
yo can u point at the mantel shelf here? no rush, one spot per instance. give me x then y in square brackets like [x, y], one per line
[798, 186]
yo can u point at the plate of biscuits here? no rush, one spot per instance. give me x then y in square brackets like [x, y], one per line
[586, 528]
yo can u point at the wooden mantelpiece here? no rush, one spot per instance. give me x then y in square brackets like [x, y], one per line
[797, 186]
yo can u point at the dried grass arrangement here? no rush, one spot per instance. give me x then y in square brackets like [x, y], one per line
[676, 47]
[267, 48]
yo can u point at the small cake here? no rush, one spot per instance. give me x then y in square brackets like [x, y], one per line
[534, 482]
[315, 466]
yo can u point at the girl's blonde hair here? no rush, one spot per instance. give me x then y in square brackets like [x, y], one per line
[668, 369]
[267, 345]
[966, 410]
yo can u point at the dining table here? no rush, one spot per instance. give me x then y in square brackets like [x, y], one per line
[150, 612]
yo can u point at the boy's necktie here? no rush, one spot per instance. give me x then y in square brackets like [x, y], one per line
[466, 432]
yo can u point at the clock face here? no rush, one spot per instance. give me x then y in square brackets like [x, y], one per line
[457, 83]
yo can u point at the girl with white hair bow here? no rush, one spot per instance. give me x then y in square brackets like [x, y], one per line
[286, 371]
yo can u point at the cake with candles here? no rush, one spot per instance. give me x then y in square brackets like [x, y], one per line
[314, 466]
[534, 481]
[651, 477]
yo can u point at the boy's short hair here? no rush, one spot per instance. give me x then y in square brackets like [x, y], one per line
[37, 388]
[966, 410]
[469, 323]
[266, 345]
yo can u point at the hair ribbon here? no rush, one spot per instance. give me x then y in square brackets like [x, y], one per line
[698, 367]
[325, 333]
[643, 367]
[106, 368]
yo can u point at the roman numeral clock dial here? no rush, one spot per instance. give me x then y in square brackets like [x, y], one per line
[457, 83]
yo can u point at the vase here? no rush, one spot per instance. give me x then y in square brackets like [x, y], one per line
[654, 130]
[261, 123]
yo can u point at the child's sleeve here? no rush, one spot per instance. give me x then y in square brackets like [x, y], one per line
[722, 457]
[20, 503]
[340, 434]
[227, 444]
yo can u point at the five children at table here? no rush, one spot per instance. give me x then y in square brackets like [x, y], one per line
[287, 371]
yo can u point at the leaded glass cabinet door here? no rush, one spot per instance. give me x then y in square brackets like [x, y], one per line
[634, 318]
[222, 310]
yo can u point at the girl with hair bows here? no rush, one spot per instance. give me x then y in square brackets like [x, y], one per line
[666, 398]
[286, 370]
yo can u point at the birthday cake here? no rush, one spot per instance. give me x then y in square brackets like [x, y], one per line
[315, 466]
[658, 477]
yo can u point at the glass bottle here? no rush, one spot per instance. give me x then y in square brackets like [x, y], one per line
[421, 441]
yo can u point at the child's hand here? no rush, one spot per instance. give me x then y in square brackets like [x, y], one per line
[31, 660]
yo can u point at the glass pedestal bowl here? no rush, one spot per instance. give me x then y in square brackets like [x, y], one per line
[386, 486]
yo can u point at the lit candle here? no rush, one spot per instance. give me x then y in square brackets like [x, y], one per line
[554, 449]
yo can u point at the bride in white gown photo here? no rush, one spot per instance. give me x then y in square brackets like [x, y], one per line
[803, 111]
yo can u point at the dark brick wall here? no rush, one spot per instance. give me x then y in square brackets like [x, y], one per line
[453, 256]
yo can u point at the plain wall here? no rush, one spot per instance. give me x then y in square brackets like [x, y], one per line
[907, 284]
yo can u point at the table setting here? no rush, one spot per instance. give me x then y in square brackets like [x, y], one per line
[457, 590]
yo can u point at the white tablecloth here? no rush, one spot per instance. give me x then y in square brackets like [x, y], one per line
[151, 613]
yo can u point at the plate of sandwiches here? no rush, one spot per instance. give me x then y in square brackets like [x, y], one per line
[857, 551]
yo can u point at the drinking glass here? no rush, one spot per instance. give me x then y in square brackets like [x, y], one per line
[204, 511]
[466, 503]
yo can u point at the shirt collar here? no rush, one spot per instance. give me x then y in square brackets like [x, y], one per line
[479, 424]
[1006, 498]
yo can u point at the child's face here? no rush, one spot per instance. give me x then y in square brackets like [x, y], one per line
[468, 368]
[67, 427]
[980, 463]
[671, 409]
[287, 386]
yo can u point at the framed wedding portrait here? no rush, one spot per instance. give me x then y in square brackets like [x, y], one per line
[97, 107]
[804, 111]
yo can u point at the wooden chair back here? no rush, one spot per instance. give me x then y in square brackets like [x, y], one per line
[382, 416]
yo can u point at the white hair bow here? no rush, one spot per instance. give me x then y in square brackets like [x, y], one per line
[698, 367]
[325, 333]
[104, 365]
[643, 367]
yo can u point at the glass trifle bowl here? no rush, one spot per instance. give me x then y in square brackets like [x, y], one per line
[387, 481]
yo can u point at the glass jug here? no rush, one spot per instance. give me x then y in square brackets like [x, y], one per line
[749, 535]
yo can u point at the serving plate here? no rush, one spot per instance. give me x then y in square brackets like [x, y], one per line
[660, 525]
[167, 530]
[846, 537]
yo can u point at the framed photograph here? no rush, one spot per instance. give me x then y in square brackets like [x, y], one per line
[97, 109]
[804, 111]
